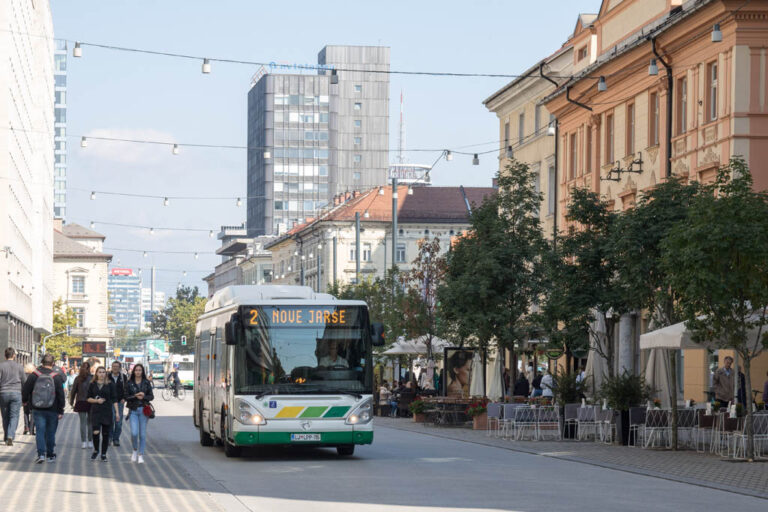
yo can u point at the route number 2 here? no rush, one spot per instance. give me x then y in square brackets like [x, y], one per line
[254, 317]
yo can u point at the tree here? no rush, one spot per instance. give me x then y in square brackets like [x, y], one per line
[493, 272]
[179, 318]
[637, 240]
[63, 317]
[717, 260]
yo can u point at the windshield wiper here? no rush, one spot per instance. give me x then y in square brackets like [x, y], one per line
[339, 392]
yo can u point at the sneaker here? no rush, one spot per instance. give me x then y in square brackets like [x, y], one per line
[26, 432]
[40, 459]
[135, 456]
[103, 458]
[116, 442]
[141, 459]
[52, 458]
[84, 445]
[94, 455]
[9, 441]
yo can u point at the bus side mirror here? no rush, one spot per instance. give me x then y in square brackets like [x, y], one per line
[377, 334]
[231, 330]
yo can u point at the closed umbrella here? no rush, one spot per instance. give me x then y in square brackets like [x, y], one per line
[494, 385]
[657, 375]
[596, 368]
[476, 379]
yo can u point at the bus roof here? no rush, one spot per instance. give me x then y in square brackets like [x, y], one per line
[256, 294]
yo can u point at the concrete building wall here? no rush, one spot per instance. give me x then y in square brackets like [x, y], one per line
[26, 168]
[94, 302]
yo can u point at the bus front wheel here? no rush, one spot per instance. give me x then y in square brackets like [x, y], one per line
[345, 450]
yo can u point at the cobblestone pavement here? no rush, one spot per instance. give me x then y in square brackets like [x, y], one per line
[75, 482]
[683, 466]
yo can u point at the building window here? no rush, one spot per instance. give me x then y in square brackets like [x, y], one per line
[358, 88]
[400, 253]
[358, 159]
[630, 146]
[79, 317]
[358, 123]
[654, 119]
[551, 186]
[366, 252]
[712, 91]
[358, 106]
[609, 139]
[537, 119]
[355, 175]
[682, 105]
[574, 156]
[582, 54]
[521, 128]
[358, 141]
[352, 253]
[78, 285]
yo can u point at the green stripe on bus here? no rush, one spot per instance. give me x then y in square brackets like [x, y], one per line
[336, 412]
[313, 412]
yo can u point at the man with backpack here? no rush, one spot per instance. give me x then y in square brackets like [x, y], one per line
[44, 392]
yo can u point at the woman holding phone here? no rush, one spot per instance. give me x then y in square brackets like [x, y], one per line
[103, 400]
[138, 393]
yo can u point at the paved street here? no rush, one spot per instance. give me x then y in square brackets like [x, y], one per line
[403, 470]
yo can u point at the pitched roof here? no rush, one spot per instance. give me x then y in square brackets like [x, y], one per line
[65, 247]
[77, 231]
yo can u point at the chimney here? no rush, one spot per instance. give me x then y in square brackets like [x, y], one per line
[347, 195]
[58, 224]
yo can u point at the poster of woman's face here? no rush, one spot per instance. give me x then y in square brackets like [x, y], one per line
[458, 371]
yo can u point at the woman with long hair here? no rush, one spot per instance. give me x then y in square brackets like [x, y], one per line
[78, 399]
[103, 400]
[138, 393]
[29, 421]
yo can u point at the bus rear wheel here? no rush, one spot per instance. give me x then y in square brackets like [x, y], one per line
[345, 450]
[230, 450]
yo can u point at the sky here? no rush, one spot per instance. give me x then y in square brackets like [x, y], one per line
[139, 96]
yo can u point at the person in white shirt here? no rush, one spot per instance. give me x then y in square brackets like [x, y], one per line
[546, 384]
[333, 358]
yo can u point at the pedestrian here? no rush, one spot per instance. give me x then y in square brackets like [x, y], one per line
[103, 400]
[723, 382]
[384, 395]
[29, 421]
[71, 375]
[44, 392]
[530, 374]
[138, 394]
[521, 385]
[546, 384]
[118, 379]
[11, 379]
[78, 399]
[536, 385]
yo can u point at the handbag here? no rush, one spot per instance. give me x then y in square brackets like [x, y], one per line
[149, 411]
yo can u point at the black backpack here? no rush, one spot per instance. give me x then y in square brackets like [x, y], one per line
[44, 392]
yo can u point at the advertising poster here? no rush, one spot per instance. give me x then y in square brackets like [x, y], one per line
[458, 371]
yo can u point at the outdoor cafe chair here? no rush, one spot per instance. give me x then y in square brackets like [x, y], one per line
[606, 426]
[570, 419]
[508, 419]
[725, 428]
[636, 423]
[760, 432]
[655, 432]
[586, 420]
[704, 430]
[686, 423]
[494, 412]
[525, 421]
[548, 423]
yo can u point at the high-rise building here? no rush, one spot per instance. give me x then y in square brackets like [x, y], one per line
[60, 129]
[148, 307]
[124, 300]
[315, 136]
[26, 175]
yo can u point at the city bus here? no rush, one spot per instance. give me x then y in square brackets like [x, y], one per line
[157, 371]
[185, 364]
[283, 365]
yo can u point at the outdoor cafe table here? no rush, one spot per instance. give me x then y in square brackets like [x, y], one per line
[441, 410]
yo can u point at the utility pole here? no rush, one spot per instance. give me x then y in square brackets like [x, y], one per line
[357, 247]
[152, 294]
[394, 222]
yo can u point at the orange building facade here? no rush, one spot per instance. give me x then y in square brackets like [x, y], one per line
[623, 127]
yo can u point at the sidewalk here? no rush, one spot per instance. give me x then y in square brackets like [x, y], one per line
[684, 466]
[75, 482]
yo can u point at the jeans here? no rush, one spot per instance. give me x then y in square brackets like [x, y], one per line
[393, 409]
[536, 392]
[46, 423]
[86, 435]
[117, 426]
[138, 430]
[10, 405]
[29, 421]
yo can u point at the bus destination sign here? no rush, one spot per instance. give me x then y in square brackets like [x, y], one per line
[310, 316]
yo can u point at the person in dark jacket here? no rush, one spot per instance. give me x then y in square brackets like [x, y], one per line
[138, 393]
[78, 399]
[521, 385]
[536, 385]
[103, 400]
[46, 419]
[118, 379]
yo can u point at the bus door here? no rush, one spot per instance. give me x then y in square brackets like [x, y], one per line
[203, 383]
[217, 379]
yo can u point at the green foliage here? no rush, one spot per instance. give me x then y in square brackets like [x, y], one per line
[63, 317]
[417, 407]
[493, 273]
[179, 318]
[130, 341]
[566, 387]
[625, 391]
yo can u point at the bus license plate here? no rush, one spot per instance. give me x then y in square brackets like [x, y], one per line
[305, 437]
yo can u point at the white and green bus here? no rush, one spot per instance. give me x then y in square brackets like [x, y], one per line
[283, 365]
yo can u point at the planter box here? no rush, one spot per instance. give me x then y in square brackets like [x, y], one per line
[480, 422]
[419, 417]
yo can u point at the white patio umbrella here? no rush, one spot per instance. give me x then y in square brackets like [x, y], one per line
[494, 386]
[596, 368]
[401, 348]
[476, 380]
[657, 375]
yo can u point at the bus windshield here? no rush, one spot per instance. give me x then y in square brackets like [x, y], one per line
[303, 350]
[156, 367]
[186, 366]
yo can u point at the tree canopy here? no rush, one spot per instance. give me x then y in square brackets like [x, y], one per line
[179, 318]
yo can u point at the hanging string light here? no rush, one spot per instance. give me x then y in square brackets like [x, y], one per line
[166, 202]
[239, 202]
[210, 234]
[93, 196]
[151, 231]
[175, 149]
[83, 142]
[206, 66]
[93, 225]
[77, 51]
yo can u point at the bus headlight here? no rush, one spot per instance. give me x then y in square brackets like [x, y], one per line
[362, 415]
[248, 414]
